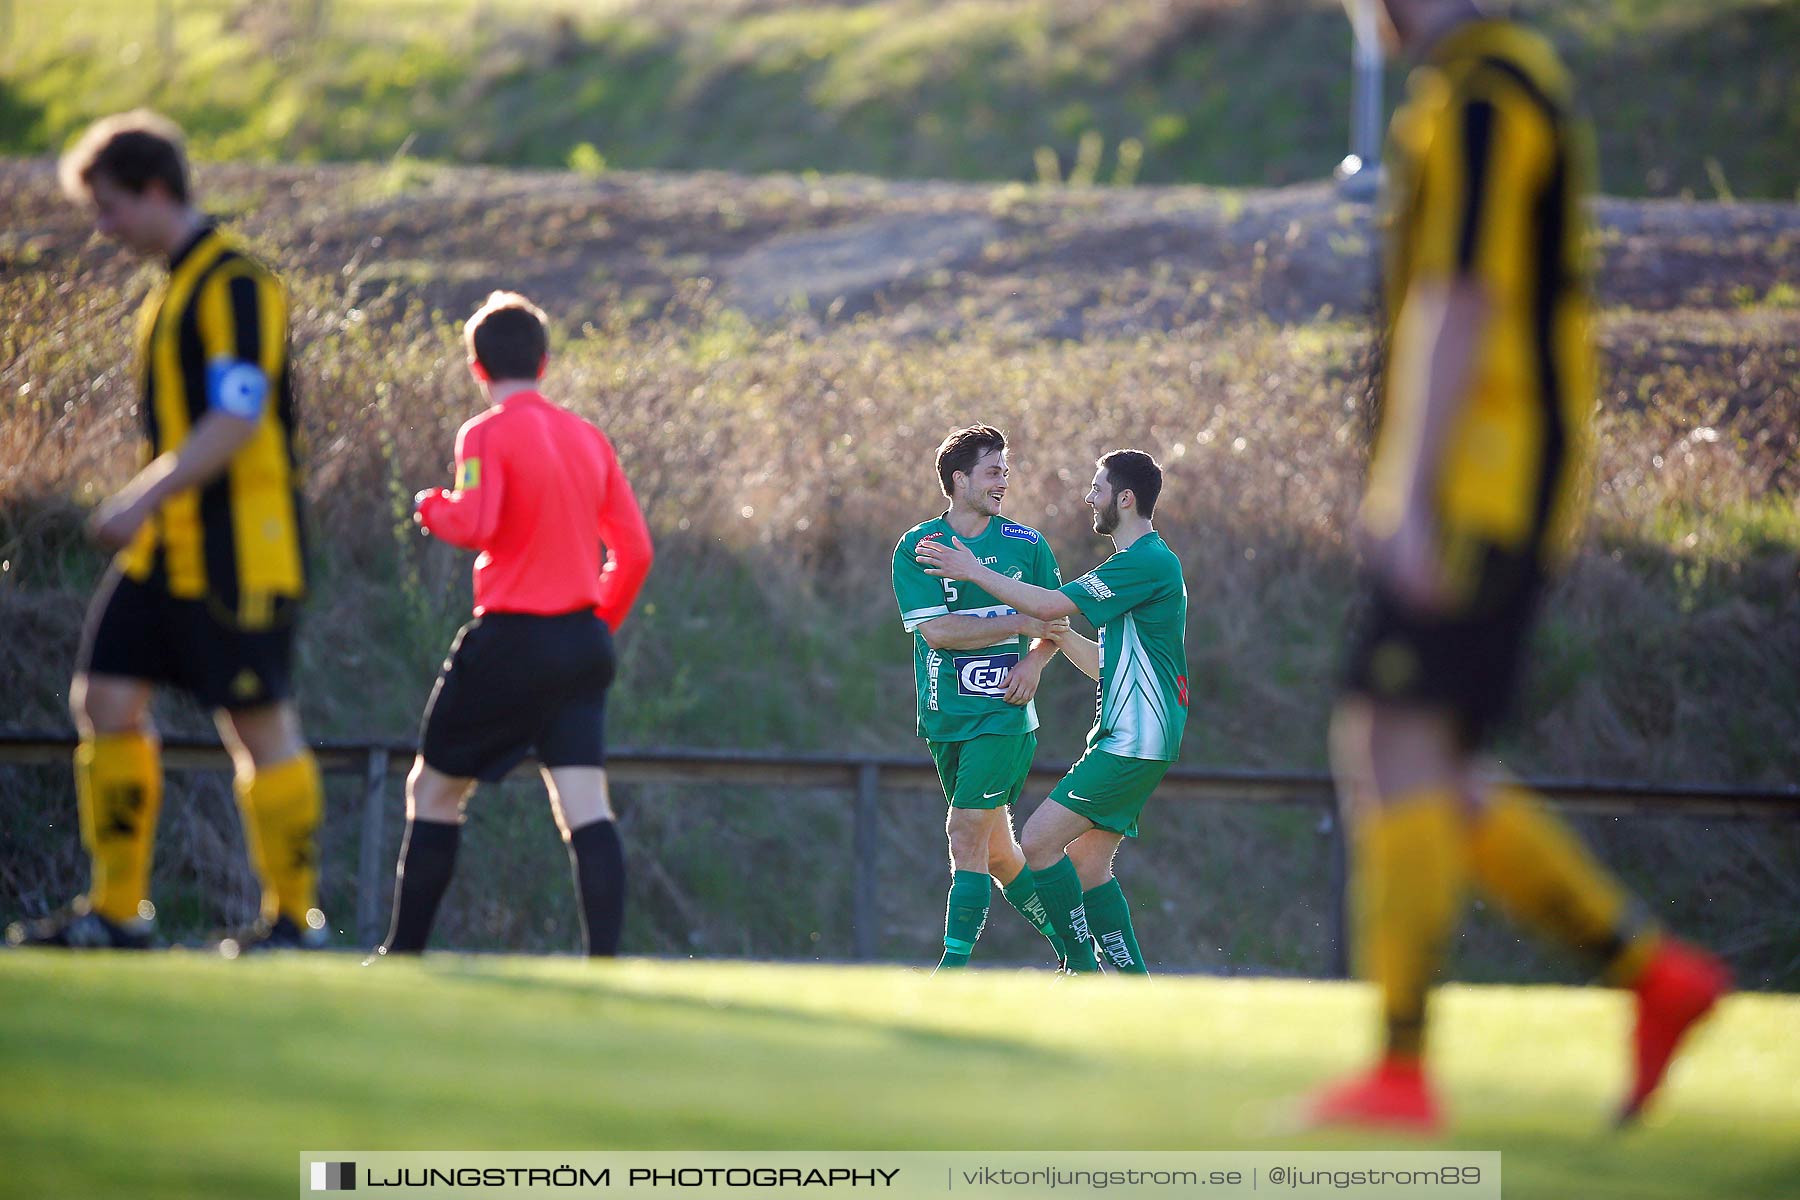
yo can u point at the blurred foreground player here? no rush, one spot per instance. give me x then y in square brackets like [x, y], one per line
[210, 568]
[1475, 492]
[564, 552]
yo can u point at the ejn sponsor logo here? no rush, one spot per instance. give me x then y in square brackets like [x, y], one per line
[986, 675]
[333, 1177]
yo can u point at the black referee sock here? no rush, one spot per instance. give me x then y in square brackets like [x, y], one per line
[598, 859]
[427, 858]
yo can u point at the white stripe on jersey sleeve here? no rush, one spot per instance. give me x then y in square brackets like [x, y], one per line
[918, 616]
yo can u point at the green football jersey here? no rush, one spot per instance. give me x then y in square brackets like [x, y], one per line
[961, 692]
[1137, 599]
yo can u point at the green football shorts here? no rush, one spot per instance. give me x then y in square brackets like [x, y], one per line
[986, 771]
[1108, 790]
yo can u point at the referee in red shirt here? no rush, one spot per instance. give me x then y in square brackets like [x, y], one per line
[564, 552]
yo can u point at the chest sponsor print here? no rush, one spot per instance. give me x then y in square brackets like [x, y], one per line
[984, 674]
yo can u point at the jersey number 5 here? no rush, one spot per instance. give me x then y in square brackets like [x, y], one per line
[949, 591]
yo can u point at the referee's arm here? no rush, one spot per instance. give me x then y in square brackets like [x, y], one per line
[627, 540]
[468, 517]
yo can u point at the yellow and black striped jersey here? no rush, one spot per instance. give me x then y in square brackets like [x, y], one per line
[237, 540]
[1488, 165]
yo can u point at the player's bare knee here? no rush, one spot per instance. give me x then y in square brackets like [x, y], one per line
[1092, 870]
[1091, 873]
[431, 796]
[106, 706]
[968, 834]
[1001, 839]
[1349, 746]
[578, 796]
[254, 743]
[1042, 848]
[1005, 860]
[438, 804]
[1093, 855]
[263, 737]
[78, 706]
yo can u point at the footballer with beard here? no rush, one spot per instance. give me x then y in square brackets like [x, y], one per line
[1137, 599]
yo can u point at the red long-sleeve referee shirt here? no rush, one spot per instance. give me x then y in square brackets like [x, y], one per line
[539, 492]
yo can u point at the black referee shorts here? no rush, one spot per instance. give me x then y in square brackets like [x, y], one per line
[1467, 663]
[136, 630]
[517, 684]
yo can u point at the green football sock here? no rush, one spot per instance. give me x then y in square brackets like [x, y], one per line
[964, 916]
[1109, 919]
[1060, 889]
[1022, 894]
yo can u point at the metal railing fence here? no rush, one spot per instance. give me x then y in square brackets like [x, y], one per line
[862, 777]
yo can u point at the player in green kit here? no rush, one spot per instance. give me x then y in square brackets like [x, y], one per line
[1137, 599]
[976, 664]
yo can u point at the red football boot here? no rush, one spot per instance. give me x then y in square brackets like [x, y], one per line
[1679, 985]
[1394, 1096]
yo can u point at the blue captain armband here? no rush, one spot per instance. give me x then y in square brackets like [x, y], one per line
[236, 388]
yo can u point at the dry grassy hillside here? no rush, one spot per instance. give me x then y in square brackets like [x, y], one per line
[776, 357]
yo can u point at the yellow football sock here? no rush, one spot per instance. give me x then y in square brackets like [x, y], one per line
[281, 806]
[118, 789]
[1410, 868]
[1541, 876]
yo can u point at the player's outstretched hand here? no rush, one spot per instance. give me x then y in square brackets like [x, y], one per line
[117, 521]
[954, 561]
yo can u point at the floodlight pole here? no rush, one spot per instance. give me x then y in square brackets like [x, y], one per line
[1359, 174]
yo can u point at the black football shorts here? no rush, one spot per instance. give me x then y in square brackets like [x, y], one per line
[518, 684]
[136, 630]
[1467, 663]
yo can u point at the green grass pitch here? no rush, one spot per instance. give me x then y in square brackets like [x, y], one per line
[178, 1075]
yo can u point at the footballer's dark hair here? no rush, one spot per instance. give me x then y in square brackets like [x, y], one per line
[1135, 472]
[509, 336]
[133, 149]
[963, 449]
